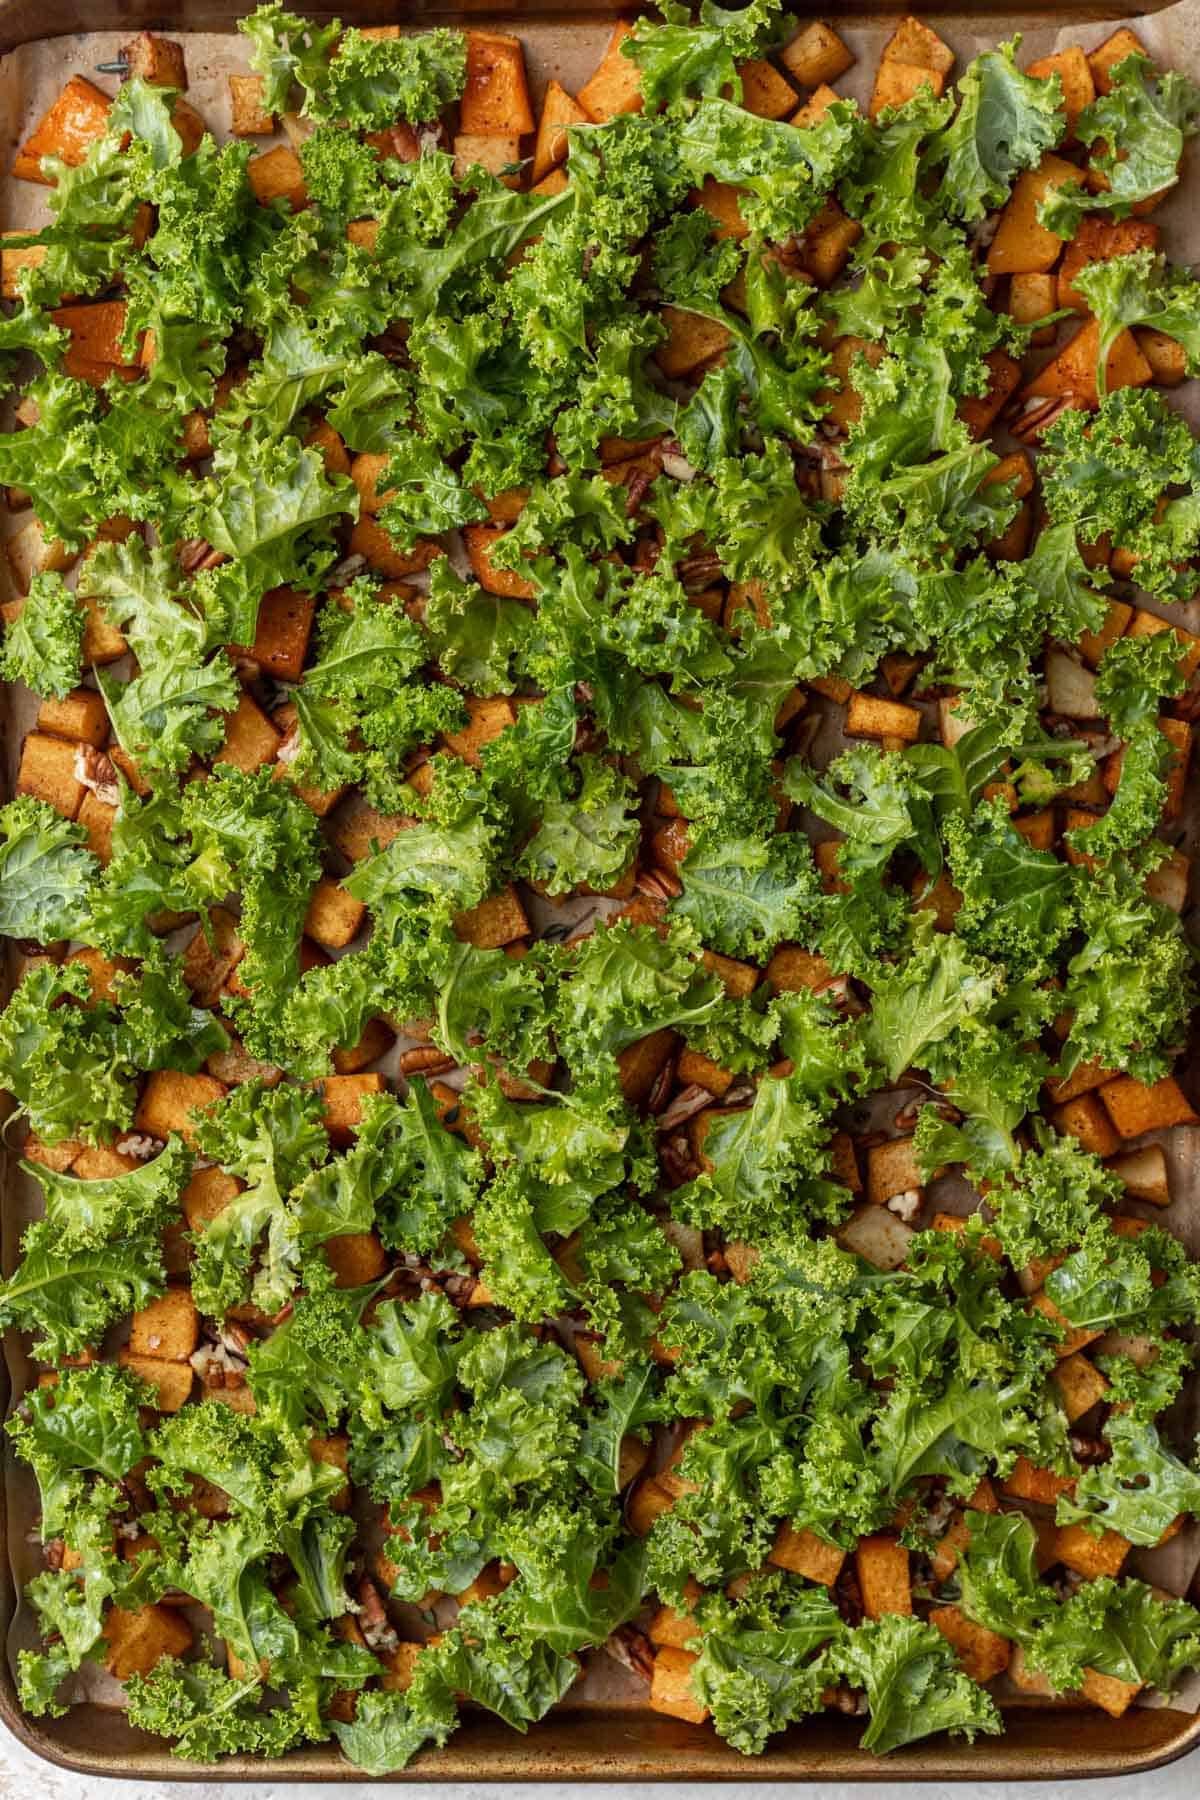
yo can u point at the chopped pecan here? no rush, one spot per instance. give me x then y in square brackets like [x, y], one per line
[658, 884]
[636, 492]
[692, 1099]
[632, 1649]
[426, 1059]
[96, 771]
[459, 1288]
[138, 1144]
[657, 1097]
[1037, 416]
[676, 1159]
[699, 571]
[197, 553]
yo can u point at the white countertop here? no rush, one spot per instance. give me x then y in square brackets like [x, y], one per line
[23, 1777]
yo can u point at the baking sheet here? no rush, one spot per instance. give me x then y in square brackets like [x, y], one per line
[30, 77]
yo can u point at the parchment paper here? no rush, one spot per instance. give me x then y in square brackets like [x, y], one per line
[30, 78]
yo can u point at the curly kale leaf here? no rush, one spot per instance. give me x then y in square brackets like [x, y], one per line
[43, 645]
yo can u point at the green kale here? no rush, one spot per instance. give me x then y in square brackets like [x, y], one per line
[43, 646]
[95, 1255]
[746, 895]
[680, 58]
[1107, 472]
[47, 878]
[1140, 126]
[1140, 290]
[913, 1683]
[1004, 123]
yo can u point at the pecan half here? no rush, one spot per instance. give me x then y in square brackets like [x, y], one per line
[632, 1649]
[426, 1059]
[690, 1100]
[97, 771]
[658, 884]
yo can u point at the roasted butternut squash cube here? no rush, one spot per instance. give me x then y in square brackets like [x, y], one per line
[671, 1686]
[1166, 356]
[335, 1452]
[334, 917]
[804, 1553]
[138, 1640]
[917, 43]
[1073, 71]
[1028, 1482]
[1109, 1692]
[828, 241]
[815, 107]
[691, 340]
[1074, 1338]
[385, 557]
[1137, 1106]
[1084, 1118]
[342, 1097]
[169, 1099]
[897, 82]
[47, 772]
[816, 54]
[1080, 1384]
[251, 741]
[1033, 296]
[559, 110]
[376, 1040]
[14, 262]
[983, 1654]
[488, 717]
[277, 175]
[495, 97]
[1072, 373]
[720, 201]
[881, 1563]
[479, 540]
[497, 155]
[1088, 1554]
[979, 412]
[765, 92]
[80, 715]
[1112, 51]
[248, 116]
[172, 1382]
[616, 84]
[67, 130]
[168, 1327]
[1022, 244]
[1099, 240]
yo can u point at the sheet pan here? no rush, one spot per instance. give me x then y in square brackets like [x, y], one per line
[605, 1731]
